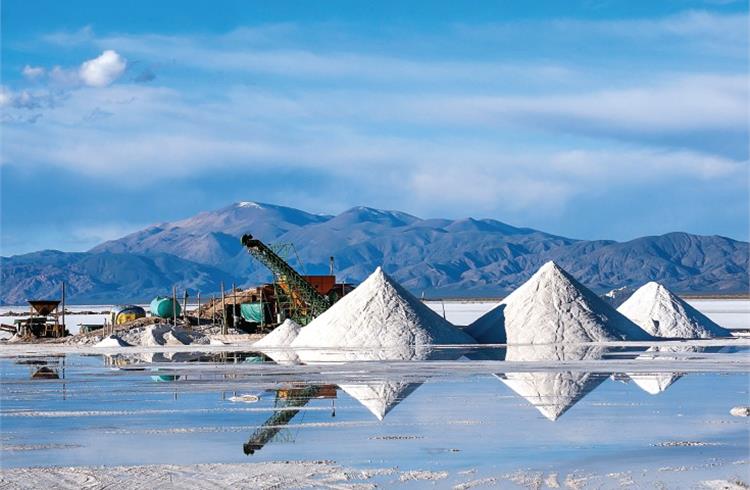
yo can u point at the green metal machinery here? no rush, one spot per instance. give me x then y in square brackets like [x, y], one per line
[303, 300]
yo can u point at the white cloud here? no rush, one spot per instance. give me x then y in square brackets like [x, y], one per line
[5, 96]
[33, 72]
[102, 70]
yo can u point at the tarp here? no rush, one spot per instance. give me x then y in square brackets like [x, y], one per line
[252, 312]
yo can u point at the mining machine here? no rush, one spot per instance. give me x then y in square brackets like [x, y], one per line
[298, 297]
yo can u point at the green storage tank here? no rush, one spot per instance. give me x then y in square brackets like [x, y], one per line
[164, 307]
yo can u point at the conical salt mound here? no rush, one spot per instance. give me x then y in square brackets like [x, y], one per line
[378, 318]
[664, 314]
[552, 392]
[380, 398]
[553, 307]
[281, 336]
[112, 341]
[276, 344]
[490, 327]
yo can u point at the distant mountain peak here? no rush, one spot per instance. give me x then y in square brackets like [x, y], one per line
[249, 204]
[453, 257]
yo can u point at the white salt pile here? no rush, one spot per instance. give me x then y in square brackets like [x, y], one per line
[664, 314]
[552, 307]
[378, 320]
[281, 336]
[112, 341]
[276, 344]
[160, 335]
[552, 392]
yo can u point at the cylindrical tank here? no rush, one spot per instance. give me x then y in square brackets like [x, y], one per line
[164, 307]
[125, 313]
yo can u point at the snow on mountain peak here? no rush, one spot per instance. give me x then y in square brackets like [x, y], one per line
[249, 204]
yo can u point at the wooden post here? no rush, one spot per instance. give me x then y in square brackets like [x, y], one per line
[234, 305]
[262, 311]
[223, 312]
[199, 308]
[63, 309]
[213, 310]
[174, 306]
[184, 310]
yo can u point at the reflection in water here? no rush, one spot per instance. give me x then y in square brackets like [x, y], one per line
[380, 396]
[553, 392]
[657, 382]
[289, 401]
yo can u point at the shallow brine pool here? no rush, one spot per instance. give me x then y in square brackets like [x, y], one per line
[585, 416]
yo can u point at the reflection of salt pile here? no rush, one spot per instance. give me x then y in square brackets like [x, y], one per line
[380, 321]
[379, 318]
[552, 307]
[112, 341]
[663, 314]
[380, 398]
[552, 392]
[276, 344]
[656, 382]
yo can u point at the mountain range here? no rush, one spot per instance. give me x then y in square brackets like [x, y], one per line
[464, 257]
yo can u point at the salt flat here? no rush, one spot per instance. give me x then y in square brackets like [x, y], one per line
[217, 416]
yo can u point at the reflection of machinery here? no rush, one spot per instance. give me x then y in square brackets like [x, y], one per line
[45, 372]
[288, 403]
[43, 320]
[41, 368]
[298, 297]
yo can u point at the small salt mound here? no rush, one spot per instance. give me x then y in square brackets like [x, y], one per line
[112, 341]
[552, 392]
[490, 327]
[664, 314]
[276, 344]
[378, 316]
[553, 307]
[281, 336]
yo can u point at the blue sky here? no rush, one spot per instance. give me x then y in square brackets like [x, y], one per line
[595, 119]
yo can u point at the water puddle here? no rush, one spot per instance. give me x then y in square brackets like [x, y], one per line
[605, 414]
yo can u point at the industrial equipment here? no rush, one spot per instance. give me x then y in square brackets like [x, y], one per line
[165, 307]
[42, 321]
[296, 296]
[127, 313]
